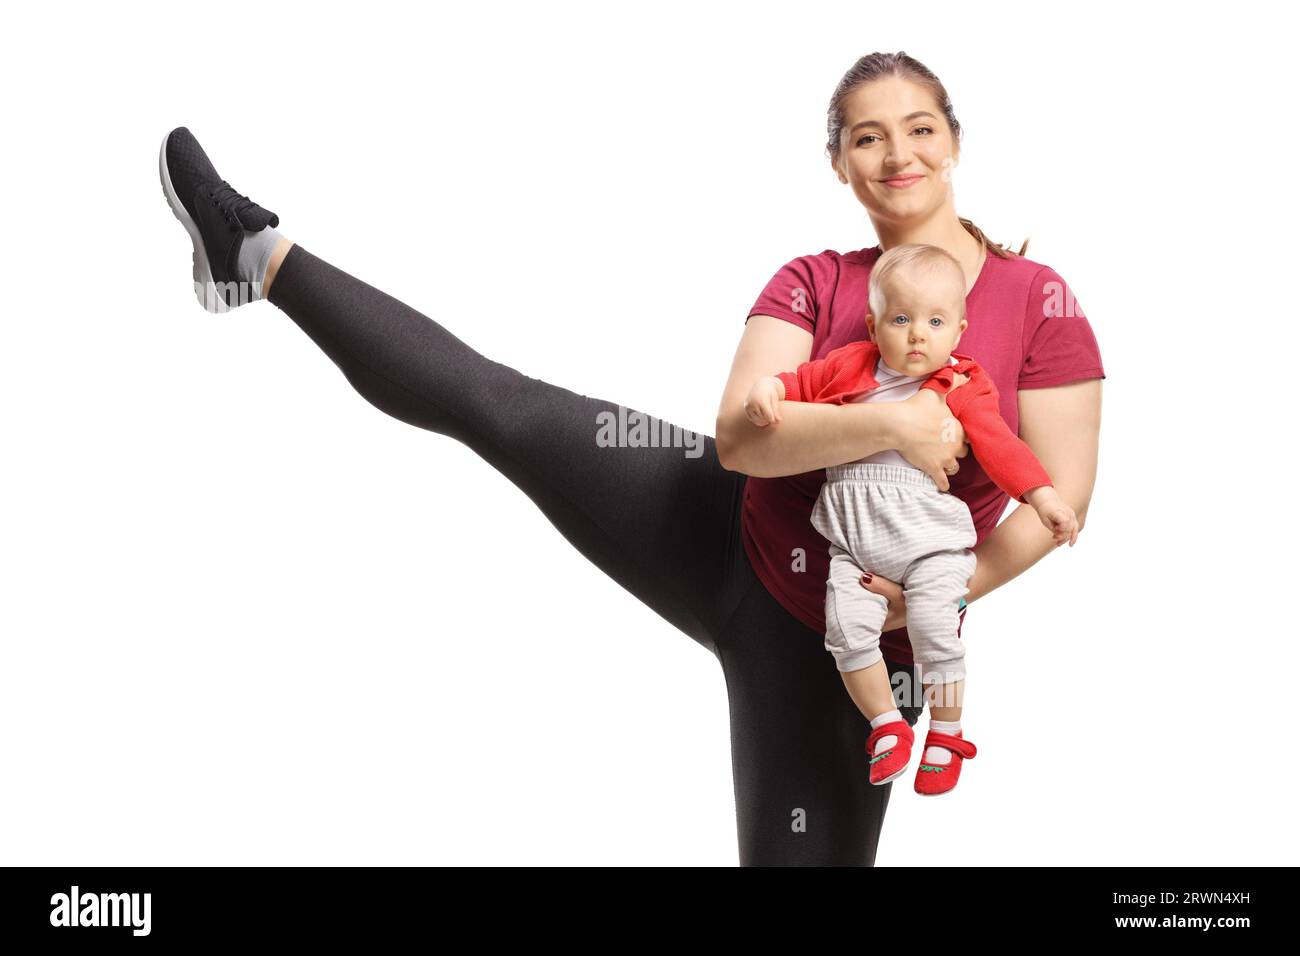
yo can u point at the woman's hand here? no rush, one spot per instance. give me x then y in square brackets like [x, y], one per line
[892, 592]
[929, 436]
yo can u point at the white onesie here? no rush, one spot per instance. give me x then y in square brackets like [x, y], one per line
[894, 387]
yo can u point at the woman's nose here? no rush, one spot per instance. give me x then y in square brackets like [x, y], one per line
[899, 155]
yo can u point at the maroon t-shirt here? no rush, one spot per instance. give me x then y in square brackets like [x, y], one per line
[1024, 328]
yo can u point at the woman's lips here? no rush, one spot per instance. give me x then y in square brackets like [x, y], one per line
[903, 182]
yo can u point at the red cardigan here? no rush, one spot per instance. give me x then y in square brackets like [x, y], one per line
[849, 371]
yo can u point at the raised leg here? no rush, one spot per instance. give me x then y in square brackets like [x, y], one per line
[659, 519]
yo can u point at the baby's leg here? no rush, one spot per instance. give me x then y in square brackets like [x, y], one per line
[933, 587]
[944, 700]
[854, 618]
[870, 689]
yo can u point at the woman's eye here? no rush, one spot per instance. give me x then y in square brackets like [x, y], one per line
[874, 136]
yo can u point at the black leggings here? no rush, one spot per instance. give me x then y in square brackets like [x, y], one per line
[663, 524]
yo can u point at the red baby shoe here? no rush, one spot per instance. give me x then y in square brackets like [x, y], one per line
[890, 763]
[934, 779]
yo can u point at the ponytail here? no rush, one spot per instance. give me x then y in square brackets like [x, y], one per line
[996, 249]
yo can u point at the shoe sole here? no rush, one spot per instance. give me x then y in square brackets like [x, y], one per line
[205, 288]
[890, 778]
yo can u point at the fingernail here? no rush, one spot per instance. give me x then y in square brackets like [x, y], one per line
[866, 578]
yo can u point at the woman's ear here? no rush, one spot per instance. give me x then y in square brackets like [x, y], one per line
[835, 165]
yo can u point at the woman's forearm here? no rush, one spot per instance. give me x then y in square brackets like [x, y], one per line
[810, 435]
[1015, 546]
[1062, 425]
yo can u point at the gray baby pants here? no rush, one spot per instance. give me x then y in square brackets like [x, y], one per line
[894, 521]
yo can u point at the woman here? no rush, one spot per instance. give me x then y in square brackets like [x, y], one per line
[719, 544]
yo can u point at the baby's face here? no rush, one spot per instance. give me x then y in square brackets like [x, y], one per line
[921, 326]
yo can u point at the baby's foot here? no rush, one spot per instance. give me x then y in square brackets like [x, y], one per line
[937, 755]
[940, 766]
[889, 746]
[233, 237]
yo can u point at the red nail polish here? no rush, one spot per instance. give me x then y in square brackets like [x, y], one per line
[866, 578]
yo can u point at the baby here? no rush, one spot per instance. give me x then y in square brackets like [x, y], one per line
[884, 515]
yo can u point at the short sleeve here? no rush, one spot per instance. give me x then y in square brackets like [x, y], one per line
[793, 294]
[1059, 344]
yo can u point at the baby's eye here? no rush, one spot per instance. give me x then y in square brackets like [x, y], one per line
[900, 316]
[936, 321]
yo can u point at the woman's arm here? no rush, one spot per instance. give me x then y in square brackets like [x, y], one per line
[812, 435]
[1062, 425]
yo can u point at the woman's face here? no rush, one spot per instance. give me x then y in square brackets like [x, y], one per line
[893, 128]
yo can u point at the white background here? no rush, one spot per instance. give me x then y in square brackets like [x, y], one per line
[247, 618]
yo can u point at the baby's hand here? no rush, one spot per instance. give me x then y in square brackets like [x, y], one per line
[763, 405]
[1060, 519]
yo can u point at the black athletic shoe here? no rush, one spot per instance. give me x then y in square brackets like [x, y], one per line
[214, 215]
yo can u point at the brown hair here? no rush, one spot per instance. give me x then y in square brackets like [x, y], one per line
[874, 66]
